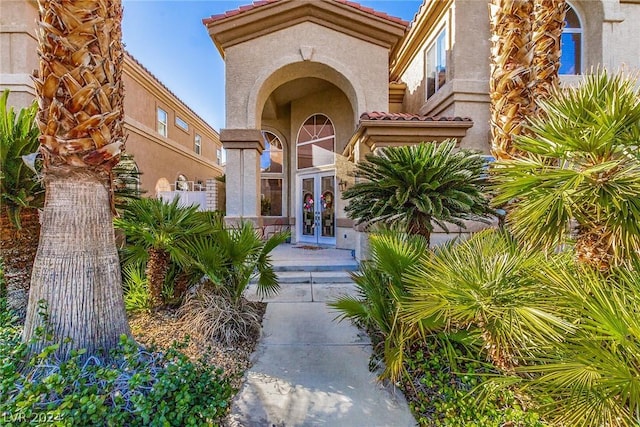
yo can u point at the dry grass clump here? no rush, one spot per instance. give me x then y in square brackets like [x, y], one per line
[212, 315]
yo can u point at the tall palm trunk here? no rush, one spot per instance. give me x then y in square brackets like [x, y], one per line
[79, 87]
[547, 33]
[511, 72]
[18, 247]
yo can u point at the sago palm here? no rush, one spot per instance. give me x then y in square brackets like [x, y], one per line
[157, 233]
[485, 284]
[380, 288]
[81, 121]
[21, 193]
[592, 378]
[581, 168]
[418, 186]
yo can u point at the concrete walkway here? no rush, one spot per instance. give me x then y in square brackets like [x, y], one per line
[308, 369]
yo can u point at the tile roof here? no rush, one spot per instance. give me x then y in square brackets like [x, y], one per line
[379, 115]
[256, 4]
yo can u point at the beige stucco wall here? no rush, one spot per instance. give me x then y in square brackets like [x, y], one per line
[466, 92]
[18, 46]
[359, 68]
[164, 157]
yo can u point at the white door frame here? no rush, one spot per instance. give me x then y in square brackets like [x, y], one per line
[318, 208]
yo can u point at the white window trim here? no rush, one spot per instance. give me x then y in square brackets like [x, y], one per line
[197, 144]
[165, 123]
[179, 121]
[434, 43]
[582, 39]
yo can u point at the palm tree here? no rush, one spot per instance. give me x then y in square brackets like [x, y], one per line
[21, 196]
[233, 256]
[485, 285]
[592, 378]
[380, 289]
[417, 186]
[547, 28]
[512, 56]
[79, 88]
[581, 169]
[157, 233]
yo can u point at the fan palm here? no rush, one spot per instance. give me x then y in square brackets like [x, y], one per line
[233, 256]
[20, 195]
[592, 378]
[157, 233]
[380, 287]
[417, 186]
[485, 283]
[547, 28]
[81, 121]
[581, 165]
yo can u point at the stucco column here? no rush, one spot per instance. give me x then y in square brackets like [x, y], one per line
[243, 148]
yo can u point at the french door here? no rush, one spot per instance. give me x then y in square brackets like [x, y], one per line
[316, 217]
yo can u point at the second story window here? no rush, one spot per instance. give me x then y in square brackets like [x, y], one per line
[162, 122]
[182, 124]
[197, 144]
[219, 156]
[436, 64]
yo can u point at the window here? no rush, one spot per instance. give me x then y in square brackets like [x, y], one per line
[436, 64]
[197, 144]
[182, 184]
[316, 142]
[162, 122]
[182, 124]
[219, 156]
[571, 44]
[271, 158]
[272, 175]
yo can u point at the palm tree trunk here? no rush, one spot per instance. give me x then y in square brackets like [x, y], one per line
[511, 72]
[18, 250]
[76, 271]
[80, 95]
[157, 268]
[593, 248]
[547, 32]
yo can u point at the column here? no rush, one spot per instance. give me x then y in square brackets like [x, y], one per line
[243, 148]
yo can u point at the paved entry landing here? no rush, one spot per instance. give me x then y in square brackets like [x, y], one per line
[308, 369]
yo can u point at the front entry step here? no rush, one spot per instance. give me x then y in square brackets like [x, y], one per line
[302, 277]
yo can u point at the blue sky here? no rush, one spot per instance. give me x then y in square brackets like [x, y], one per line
[168, 38]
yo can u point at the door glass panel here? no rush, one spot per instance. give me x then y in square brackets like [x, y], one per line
[327, 206]
[308, 207]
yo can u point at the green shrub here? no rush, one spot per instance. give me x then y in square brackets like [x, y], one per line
[133, 387]
[135, 289]
[442, 394]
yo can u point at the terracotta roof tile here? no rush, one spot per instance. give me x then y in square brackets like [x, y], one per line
[379, 115]
[256, 4]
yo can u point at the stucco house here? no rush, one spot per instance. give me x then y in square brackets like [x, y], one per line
[171, 145]
[314, 85]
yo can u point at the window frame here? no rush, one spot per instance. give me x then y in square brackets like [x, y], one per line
[179, 121]
[439, 44]
[197, 144]
[580, 31]
[280, 176]
[164, 124]
[314, 140]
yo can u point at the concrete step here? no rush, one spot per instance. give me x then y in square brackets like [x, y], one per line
[305, 265]
[302, 277]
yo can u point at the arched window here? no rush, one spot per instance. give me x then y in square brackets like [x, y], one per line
[571, 43]
[182, 183]
[272, 179]
[316, 142]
